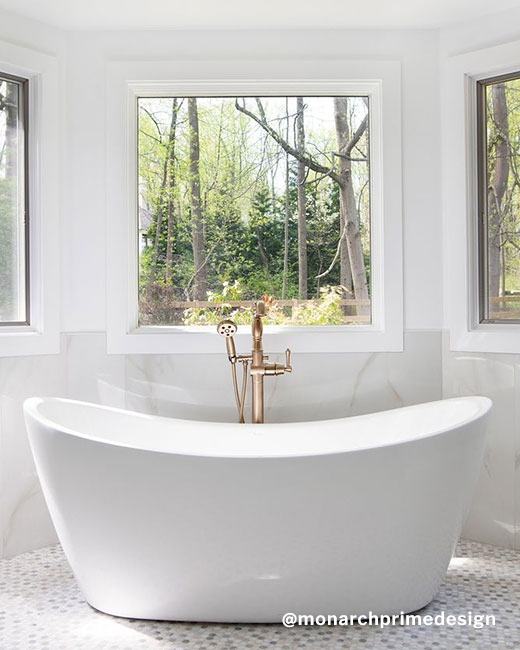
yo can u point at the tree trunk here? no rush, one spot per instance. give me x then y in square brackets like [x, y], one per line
[287, 207]
[11, 132]
[498, 177]
[302, 217]
[351, 245]
[345, 274]
[9, 279]
[197, 223]
[261, 250]
[163, 202]
[170, 241]
[352, 250]
[504, 271]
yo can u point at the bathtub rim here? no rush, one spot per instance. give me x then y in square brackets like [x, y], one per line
[31, 404]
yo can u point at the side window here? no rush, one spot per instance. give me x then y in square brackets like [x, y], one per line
[14, 233]
[498, 120]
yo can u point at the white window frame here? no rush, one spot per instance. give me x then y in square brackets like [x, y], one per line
[379, 80]
[460, 200]
[41, 336]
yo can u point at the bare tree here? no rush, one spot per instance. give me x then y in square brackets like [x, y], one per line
[287, 208]
[165, 200]
[9, 104]
[9, 280]
[352, 263]
[197, 222]
[342, 176]
[498, 178]
[170, 241]
[302, 207]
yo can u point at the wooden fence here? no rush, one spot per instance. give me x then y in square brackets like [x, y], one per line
[505, 307]
[508, 306]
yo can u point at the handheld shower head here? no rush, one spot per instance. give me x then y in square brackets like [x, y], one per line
[228, 329]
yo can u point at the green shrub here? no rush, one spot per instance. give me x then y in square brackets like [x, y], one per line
[325, 311]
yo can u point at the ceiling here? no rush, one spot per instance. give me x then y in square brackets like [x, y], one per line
[245, 14]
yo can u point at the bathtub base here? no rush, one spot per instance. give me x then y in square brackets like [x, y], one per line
[188, 592]
[254, 617]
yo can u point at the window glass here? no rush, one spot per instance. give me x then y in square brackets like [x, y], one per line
[241, 198]
[13, 202]
[499, 198]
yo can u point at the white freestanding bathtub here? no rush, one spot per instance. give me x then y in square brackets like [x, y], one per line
[200, 521]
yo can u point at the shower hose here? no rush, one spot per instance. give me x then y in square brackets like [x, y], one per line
[240, 398]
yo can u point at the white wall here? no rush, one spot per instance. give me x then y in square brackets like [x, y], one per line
[30, 33]
[348, 383]
[492, 30]
[83, 306]
[495, 515]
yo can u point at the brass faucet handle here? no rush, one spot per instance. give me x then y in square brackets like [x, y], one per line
[288, 367]
[260, 308]
[271, 369]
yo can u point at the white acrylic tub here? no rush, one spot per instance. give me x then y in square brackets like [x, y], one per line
[202, 521]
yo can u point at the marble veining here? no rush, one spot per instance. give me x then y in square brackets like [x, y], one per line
[158, 383]
[41, 608]
[495, 514]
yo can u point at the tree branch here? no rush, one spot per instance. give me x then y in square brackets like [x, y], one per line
[357, 136]
[336, 254]
[302, 157]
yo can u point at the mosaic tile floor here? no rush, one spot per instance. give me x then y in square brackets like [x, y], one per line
[41, 608]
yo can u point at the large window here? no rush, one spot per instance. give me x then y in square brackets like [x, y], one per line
[14, 290]
[498, 123]
[248, 197]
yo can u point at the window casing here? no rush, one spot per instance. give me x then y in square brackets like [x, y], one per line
[380, 81]
[35, 329]
[14, 201]
[461, 197]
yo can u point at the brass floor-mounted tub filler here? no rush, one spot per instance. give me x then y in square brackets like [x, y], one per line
[257, 359]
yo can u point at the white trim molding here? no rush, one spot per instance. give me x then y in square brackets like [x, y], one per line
[460, 191]
[379, 80]
[41, 336]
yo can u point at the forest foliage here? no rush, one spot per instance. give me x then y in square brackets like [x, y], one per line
[12, 228]
[242, 198]
[246, 197]
[502, 192]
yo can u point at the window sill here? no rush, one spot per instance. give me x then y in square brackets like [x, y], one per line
[205, 340]
[488, 338]
[21, 340]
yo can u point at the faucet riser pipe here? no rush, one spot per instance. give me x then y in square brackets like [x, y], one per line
[257, 414]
